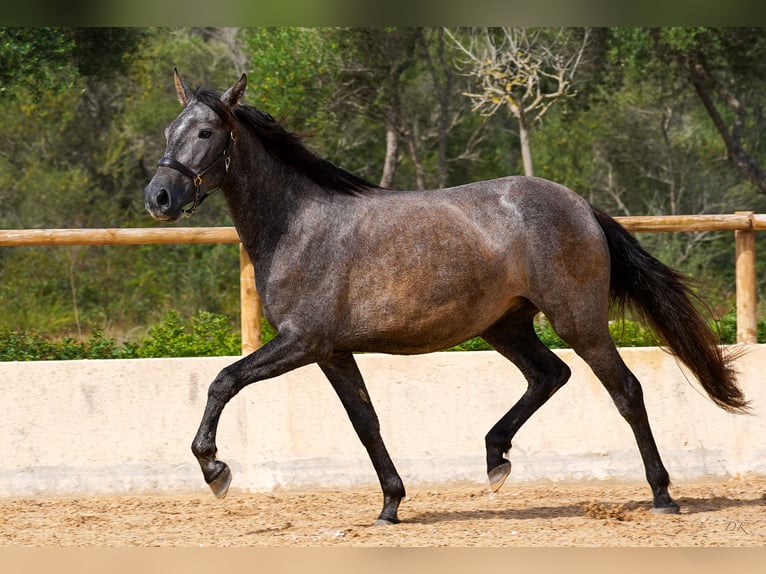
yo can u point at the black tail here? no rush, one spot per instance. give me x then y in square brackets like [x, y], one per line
[661, 298]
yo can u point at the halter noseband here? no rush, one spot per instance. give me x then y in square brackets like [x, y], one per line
[197, 176]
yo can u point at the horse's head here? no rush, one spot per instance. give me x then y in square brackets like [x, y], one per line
[197, 154]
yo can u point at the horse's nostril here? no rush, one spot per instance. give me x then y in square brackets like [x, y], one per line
[163, 199]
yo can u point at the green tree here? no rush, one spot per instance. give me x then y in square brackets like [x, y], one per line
[397, 95]
[726, 68]
[77, 151]
[38, 59]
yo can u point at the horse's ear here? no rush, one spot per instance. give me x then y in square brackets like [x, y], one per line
[233, 95]
[184, 95]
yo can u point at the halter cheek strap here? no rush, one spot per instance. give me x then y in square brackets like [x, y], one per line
[199, 194]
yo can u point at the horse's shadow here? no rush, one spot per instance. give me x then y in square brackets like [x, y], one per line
[689, 505]
[711, 504]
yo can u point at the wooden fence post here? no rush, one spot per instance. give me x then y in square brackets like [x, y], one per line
[747, 318]
[250, 304]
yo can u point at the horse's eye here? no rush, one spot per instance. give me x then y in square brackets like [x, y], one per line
[205, 134]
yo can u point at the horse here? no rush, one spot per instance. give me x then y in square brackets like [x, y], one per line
[344, 266]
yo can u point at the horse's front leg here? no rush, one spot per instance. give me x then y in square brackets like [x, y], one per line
[282, 354]
[347, 381]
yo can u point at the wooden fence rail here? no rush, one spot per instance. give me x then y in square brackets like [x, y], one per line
[743, 224]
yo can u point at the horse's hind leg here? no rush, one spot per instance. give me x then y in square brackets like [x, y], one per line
[605, 361]
[347, 381]
[514, 338]
[591, 340]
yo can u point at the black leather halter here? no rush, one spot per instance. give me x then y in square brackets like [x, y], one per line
[200, 195]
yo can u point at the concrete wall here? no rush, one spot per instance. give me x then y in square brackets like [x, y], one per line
[122, 426]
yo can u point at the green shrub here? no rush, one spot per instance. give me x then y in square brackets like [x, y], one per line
[203, 335]
[475, 344]
[627, 333]
[624, 333]
[727, 329]
[32, 346]
[210, 334]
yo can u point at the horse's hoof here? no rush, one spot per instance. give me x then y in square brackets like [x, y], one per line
[385, 522]
[220, 484]
[672, 508]
[498, 475]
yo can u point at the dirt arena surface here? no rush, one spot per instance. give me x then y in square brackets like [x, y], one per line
[719, 513]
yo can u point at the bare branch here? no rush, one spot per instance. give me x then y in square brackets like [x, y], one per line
[516, 68]
[525, 70]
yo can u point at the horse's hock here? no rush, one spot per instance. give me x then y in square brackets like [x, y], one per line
[112, 427]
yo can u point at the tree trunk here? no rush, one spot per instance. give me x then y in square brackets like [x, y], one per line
[526, 150]
[392, 158]
[72, 256]
[420, 172]
[444, 92]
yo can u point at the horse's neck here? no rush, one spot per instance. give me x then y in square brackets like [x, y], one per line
[264, 196]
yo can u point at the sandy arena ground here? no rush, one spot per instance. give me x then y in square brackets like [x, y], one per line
[717, 513]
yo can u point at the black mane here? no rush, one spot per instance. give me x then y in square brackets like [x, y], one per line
[288, 147]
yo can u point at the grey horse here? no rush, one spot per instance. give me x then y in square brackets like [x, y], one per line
[345, 266]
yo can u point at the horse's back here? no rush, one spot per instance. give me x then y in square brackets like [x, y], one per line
[538, 217]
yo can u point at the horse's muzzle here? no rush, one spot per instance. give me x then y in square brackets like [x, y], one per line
[160, 202]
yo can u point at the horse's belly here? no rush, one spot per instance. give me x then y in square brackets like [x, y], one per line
[421, 326]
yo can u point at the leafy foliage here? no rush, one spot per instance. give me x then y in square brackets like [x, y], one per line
[625, 333]
[201, 335]
[33, 346]
[35, 57]
[208, 334]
